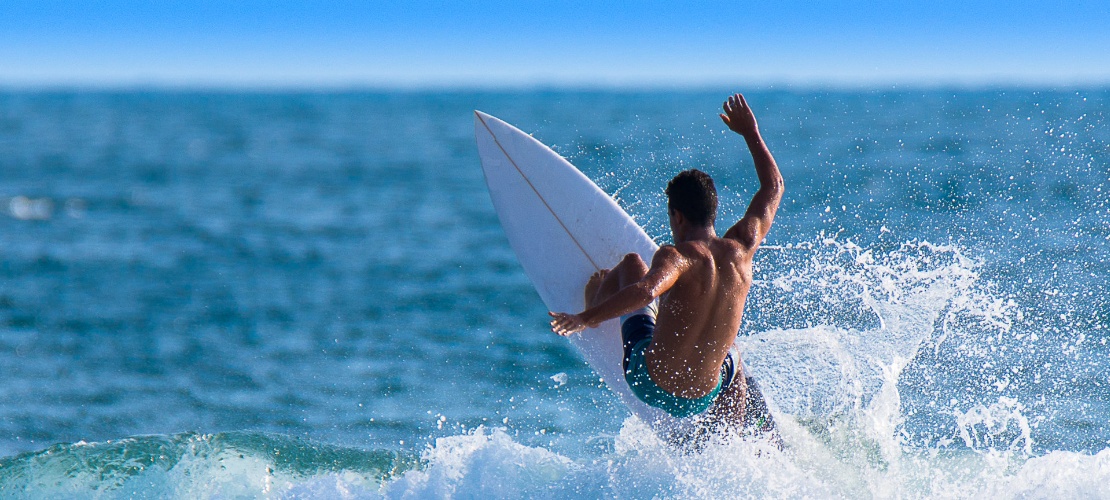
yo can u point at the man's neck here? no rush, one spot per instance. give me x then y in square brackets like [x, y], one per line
[696, 233]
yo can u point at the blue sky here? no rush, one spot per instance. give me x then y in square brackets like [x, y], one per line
[253, 43]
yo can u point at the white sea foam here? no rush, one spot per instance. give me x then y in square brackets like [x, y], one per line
[488, 463]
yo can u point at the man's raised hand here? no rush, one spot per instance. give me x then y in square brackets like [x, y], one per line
[738, 116]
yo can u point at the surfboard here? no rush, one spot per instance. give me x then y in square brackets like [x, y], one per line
[563, 228]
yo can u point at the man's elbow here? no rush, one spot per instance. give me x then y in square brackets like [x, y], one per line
[644, 294]
[774, 186]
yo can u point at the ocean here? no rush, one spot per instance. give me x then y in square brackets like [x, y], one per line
[213, 294]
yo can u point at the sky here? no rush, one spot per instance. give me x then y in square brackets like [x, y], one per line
[480, 43]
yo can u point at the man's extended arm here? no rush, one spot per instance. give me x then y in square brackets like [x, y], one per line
[753, 227]
[666, 266]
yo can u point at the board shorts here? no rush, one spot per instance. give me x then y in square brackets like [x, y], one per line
[637, 330]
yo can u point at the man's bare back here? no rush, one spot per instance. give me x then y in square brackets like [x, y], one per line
[699, 316]
[701, 282]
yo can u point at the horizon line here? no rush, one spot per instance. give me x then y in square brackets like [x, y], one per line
[539, 86]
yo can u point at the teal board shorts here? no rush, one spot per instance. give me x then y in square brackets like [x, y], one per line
[637, 330]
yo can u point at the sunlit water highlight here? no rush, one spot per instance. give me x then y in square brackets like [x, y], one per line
[308, 295]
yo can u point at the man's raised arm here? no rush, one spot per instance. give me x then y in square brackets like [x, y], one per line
[753, 227]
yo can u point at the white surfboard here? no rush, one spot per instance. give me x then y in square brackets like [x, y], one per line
[563, 228]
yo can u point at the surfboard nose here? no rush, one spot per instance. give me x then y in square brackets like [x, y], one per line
[486, 123]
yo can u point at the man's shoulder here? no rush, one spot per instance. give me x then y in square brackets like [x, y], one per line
[730, 249]
[689, 249]
[714, 246]
[717, 251]
[668, 252]
[706, 251]
[673, 255]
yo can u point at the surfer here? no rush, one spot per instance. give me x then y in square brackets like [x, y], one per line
[680, 315]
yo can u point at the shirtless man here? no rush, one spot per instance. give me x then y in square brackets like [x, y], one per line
[680, 317]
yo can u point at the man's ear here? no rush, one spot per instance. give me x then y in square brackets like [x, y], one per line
[677, 217]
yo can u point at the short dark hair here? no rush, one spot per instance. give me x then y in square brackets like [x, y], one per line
[692, 193]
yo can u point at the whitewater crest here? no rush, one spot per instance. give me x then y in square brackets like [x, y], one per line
[193, 465]
[489, 463]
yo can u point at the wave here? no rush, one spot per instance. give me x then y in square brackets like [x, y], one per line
[194, 465]
[488, 463]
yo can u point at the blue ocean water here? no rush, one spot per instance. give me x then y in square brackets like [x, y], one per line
[208, 294]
